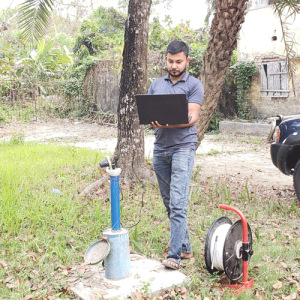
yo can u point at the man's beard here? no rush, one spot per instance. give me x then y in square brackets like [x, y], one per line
[178, 75]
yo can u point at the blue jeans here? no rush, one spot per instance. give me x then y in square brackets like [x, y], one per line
[173, 170]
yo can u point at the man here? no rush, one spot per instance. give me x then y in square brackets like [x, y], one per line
[174, 150]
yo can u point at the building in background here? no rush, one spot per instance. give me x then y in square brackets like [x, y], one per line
[261, 42]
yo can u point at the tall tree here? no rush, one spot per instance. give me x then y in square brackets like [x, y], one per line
[226, 23]
[129, 153]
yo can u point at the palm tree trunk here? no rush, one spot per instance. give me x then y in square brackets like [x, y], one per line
[129, 153]
[226, 24]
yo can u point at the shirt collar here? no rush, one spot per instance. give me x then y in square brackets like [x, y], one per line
[184, 78]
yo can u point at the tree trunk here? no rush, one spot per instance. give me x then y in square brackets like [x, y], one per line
[129, 153]
[228, 17]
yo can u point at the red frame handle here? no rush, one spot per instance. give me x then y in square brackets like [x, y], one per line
[245, 235]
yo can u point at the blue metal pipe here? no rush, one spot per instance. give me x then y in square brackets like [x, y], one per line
[115, 203]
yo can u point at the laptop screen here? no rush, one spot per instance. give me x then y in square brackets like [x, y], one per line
[165, 108]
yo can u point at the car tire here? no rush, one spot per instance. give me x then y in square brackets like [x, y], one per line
[297, 179]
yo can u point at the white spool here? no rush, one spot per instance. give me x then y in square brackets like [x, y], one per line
[217, 246]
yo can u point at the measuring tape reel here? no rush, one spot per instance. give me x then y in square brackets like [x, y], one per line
[225, 250]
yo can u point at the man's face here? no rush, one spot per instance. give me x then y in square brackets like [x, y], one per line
[176, 63]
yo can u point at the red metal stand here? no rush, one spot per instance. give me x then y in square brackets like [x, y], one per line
[237, 287]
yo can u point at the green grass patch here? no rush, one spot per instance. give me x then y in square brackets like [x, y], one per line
[40, 211]
[213, 152]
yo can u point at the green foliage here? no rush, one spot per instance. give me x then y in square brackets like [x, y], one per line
[43, 60]
[156, 35]
[233, 57]
[100, 33]
[197, 51]
[213, 125]
[7, 59]
[244, 72]
[99, 37]
[17, 138]
[34, 17]
[160, 37]
[89, 39]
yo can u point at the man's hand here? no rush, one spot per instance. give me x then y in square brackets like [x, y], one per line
[155, 124]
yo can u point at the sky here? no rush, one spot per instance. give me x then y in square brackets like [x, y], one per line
[192, 10]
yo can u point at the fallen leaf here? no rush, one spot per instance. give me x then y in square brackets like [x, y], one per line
[259, 297]
[257, 267]
[290, 297]
[80, 271]
[9, 278]
[272, 237]
[4, 263]
[196, 292]
[192, 261]
[99, 292]
[138, 296]
[31, 255]
[72, 241]
[173, 294]
[277, 285]
[265, 258]
[74, 279]
[109, 286]
[183, 291]
[152, 278]
[28, 297]
[284, 265]
[35, 272]
[11, 285]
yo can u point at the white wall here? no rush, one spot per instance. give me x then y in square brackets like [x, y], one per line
[255, 36]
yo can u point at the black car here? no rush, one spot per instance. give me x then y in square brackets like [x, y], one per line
[285, 147]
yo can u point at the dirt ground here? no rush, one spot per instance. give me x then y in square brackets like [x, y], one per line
[230, 158]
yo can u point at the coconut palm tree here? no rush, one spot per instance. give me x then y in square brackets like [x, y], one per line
[34, 18]
[225, 26]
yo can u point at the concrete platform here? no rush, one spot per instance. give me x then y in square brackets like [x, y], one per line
[146, 274]
[260, 129]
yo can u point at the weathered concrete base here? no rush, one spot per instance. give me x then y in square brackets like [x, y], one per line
[259, 129]
[145, 274]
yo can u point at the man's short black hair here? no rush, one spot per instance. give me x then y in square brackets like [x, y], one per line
[177, 47]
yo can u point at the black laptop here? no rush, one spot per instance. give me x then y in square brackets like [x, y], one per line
[165, 108]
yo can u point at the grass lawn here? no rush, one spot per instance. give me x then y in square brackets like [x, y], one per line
[45, 227]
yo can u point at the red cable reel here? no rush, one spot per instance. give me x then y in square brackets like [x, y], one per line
[228, 248]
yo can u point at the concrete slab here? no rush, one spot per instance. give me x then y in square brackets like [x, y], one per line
[261, 129]
[145, 273]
